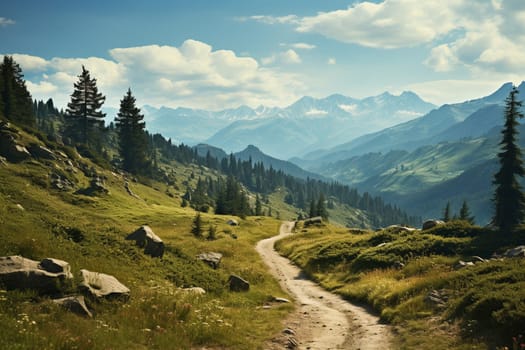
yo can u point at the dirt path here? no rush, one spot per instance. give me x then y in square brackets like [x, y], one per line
[323, 320]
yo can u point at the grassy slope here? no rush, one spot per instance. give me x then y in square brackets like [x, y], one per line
[158, 315]
[485, 306]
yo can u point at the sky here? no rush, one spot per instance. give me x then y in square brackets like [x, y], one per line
[212, 54]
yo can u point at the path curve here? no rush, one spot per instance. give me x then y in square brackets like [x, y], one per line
[322, 320]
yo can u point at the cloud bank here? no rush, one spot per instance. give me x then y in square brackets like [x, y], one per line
[193, 75]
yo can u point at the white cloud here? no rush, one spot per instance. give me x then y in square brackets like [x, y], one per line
[287, 57]
[272, 19]
[4, 22]
[476, 35]
[388, 24]
[290, 57]
[30, 63]
[331, 61]
[303, 46]
[191, 75]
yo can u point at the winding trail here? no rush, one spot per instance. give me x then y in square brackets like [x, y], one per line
[322, 320]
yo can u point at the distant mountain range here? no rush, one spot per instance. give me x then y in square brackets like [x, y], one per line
[304, 126]
[448, 154]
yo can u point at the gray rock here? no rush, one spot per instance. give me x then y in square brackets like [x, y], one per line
[56, 266]
[60, 183]
[462, 264]
[432, 223]
[211, 258]
[100, 285]
[517, 252]
[238, 284]
[75, 304]
[476, 259]
[17, 272]
[313, 221]
[281, 300]
[147, 239]
[437, 298]
[42, 152]
[232, 222]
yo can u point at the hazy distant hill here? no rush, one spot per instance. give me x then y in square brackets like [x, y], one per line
[306, 125]
[255, 154]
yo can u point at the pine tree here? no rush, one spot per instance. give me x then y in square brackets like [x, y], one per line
[132, 137]
[196, 227]
[212, 233]
[258, 205]
[313, 209]
[321, 208]
[508, 198]
[16, 103]
[83, 114]
[446, 213]
[464, 213]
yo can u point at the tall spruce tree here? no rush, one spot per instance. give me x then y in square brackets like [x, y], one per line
[84, 118]
[508, 198]
[464, 213]
[16, 103]
[133, 143]
[446, 213]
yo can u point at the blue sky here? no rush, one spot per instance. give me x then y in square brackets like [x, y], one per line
[219, 54]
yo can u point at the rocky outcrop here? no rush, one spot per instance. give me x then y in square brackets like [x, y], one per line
[211, 258]
[517, 252]
[317, 220]
[438, 298]
[100, 285]
[147, 239]
[41, 152]
[427, 225]
[9, 148]
[75, 304]
[60, 182]
[238, 284]
[17, 272]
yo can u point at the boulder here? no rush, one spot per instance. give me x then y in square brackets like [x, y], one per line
[462, 264]
[516, 252]
[147, 239]
[60, 183]
[232, 222]
[100, 285]
[316, 220]
[238, 284]
[16, 153]
[17, 272]
[437, 298]
[432, 223]
[41, 152]
[281, 300]
[75, 304]
[211, 258]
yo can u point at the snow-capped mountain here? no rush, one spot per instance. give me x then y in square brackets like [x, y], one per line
[305, 125]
